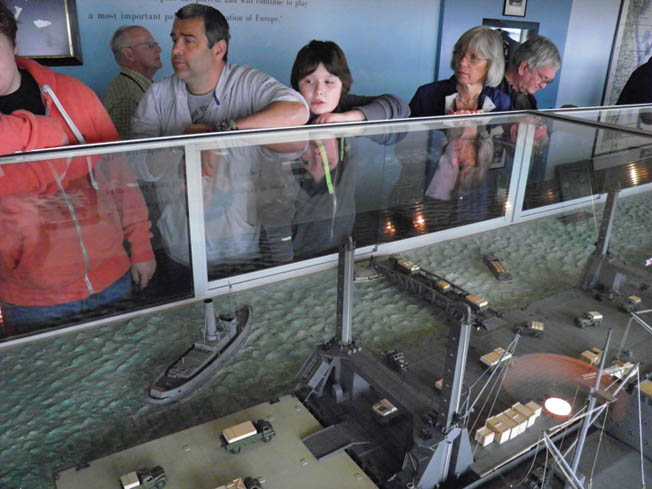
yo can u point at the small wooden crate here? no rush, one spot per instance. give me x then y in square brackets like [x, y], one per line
[239, 432]
[502, 431]
[484, 436]
[525, 412]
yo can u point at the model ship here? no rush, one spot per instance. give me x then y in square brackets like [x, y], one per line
[223, 337]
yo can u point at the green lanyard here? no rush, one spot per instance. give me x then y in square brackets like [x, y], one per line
[324, 162]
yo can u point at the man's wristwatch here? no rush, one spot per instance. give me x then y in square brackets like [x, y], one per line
[227, 125]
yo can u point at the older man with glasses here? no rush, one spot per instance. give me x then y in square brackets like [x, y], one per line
[533, 66]
[139, 57]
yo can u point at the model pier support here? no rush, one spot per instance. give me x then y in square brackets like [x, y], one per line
[603, 272]
[598, 274]
[345, 273]
[430, 443]
[209, 319]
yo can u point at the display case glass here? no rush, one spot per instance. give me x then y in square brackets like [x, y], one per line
[256, 218]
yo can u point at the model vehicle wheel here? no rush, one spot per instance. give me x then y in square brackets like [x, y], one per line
[234, 450]
[251, 483]
[159, 485]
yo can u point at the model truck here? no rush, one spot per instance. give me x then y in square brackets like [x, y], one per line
[591, 318]
[144, 478]
[240, 435]
[396, 361]
[631, 304]
[530, 328]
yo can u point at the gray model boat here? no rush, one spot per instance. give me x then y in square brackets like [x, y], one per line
[222, 339]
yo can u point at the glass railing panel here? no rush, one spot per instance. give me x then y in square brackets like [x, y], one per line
[246, 202]
[81, 240]
[577, 161]
[450, 177]
[634, 117]
[270, 204]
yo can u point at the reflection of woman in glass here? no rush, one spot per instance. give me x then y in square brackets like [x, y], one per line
[479, 64]
[464, 165]
[459, 189]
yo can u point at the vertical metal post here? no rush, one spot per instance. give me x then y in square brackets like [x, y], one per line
[196, 222]
[602, 246]
[210, 330]
[581, 438]
[345, 291]
[521, 170]
[459, 337]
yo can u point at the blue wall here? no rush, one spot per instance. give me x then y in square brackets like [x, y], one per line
[592, 24]
[458, 16]
[390, 44]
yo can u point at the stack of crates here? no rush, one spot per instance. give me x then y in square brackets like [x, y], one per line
[508, 424]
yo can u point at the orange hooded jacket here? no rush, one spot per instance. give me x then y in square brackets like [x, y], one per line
[63, 221]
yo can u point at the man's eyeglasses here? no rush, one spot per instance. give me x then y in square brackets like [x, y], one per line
[149, 44]
[542, 81]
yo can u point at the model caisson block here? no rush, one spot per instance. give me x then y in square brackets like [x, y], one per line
[526, 412]
[497, 267]
[484, 436]
[591, 356]
[492, 358]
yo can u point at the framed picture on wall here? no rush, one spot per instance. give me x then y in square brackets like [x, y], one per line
[48, 31]
[515, 8]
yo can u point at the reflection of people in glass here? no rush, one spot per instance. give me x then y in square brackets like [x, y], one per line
[63, 222]
[208, 94]
[324, 211]
[457, 188]
[479, 64]
[464, 164]
[325, 206]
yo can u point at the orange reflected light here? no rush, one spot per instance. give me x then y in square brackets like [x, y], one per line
[557, 406]
[390, 229]
[419, 222]
[633, 175]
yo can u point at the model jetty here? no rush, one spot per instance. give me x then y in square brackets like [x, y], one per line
[223, 337]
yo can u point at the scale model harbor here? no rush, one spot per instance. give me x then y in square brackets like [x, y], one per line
[426, 443]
